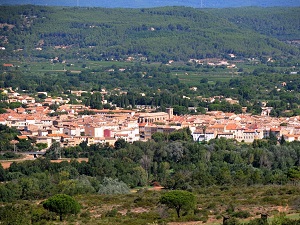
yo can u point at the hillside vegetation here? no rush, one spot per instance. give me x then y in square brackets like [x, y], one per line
[227, 178]
[156, 34]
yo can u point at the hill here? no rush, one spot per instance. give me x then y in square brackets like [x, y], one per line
[153, 34]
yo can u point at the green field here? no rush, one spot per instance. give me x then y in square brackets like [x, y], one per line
[192, 78]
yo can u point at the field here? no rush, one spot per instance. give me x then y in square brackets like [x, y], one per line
[191, 78]
[47, 66]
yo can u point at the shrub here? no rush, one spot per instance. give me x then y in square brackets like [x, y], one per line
[112, 213]
[113, 186]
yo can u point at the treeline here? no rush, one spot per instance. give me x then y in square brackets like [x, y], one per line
[158, 34]
[174, 161]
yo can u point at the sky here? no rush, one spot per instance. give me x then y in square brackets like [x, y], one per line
[156, 3]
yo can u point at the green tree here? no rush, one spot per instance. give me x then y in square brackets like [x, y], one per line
[54, 152]
[2, 173]
[158, 136]
[179, 200]
[120, 143]
[62, 204]
[294, 174]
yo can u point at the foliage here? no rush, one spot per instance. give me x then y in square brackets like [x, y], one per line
[179, 200]
[12, 214]
[113, 186]
[7, 134]
[54, 152]
[10, 155]
[294, 174]
[62, 204]
[151, 34]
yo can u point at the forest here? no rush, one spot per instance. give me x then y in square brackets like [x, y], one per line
[155, 34]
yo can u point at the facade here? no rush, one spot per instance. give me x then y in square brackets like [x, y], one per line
[153, 117]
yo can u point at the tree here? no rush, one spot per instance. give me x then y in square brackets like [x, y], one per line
[294, 174]
[2, 173]
[179, 200]
[62, 204]
[120, 143]
[158, 136]
[54, 152]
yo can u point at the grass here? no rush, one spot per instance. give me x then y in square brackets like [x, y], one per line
[213, 75]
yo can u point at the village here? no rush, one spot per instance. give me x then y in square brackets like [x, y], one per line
[71, 127]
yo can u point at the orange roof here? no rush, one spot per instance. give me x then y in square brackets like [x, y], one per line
[142, 124]
[231, 126]
[218, 126]
[57, 135]
[22, 137]
[274, 129]
[8, 65]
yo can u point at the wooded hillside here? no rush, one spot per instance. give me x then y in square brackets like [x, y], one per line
[155, 34]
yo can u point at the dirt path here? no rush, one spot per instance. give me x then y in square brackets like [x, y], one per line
[6, 163]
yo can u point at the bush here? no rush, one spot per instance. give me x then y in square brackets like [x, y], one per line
[112, 213]
[113, 186]
[86, 215]
[10, 155]
[258, 221]
[232, 221]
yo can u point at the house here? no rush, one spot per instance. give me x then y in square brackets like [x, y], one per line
[291, 137]
[18, 123]
[200, 136]
[8, 65]
[42, 133]
[30, 120]
[276, 132]
[72, 130]
[2, 121]
[93, 130]
[44, 140]
[250, 135]
[217, 127]
[71, 141]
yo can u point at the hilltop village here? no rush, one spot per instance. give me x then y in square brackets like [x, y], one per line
[71, 127]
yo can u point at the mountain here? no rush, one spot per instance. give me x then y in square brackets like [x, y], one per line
[156, 3]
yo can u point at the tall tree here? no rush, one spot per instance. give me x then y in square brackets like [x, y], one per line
[62, 204]
[179, 200]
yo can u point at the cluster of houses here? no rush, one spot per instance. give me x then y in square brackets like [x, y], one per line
[106, 126]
